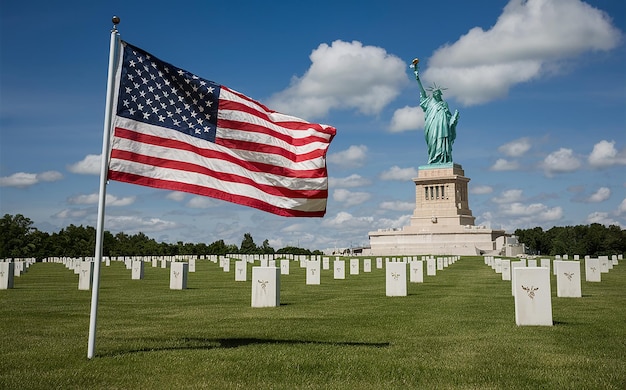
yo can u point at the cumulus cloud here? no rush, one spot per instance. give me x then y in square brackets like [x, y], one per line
[407, 118]
[201, 202]
[176, 196]
[345, 220]
[72, 213]
[351, 181]
[481, 190]
[561, 161]
[90, 165]
[135, 224]
[622, 207]
[515, 148]
[504, 165]
[111, 200]
[602, 194]
[535, 212]
[353, 157]
[602, 218]
[509, 196]
[529, 39]
[332, 81]
[397, 173]
[24, 179]
[350, 198]
[604, 154]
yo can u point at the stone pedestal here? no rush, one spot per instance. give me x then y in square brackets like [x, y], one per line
[265, 287]
[178, 275]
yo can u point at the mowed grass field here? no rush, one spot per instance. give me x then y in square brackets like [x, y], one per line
[454, 331]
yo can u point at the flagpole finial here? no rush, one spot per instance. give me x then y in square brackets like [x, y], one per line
[116, 21]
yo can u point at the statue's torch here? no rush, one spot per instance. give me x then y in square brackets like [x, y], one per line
[415, 66]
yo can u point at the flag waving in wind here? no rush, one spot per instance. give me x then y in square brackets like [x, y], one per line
[177, 131]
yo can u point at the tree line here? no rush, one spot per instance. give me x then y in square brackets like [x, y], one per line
[594, 240]
[20, 239]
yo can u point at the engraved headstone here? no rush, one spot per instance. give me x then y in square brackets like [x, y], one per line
[505, 266]
[431, 269]
[354, 266]
[85, 275]
[367, 265]
[265, 287]
[241, 271]
[592, 270]
[416, 271]
[339, 269]
[396, 279]
[137, 270]
[533, 299]
[284, 267]
[313, 271]
[7, 273]
[178, 275]
[567, 279]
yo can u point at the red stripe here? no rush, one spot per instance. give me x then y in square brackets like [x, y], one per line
[254, 128]
[213, 193]
[255, 147]
[292, 125]
[225, 177]
[208, 153]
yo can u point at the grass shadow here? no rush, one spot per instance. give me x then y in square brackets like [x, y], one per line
[189, 343]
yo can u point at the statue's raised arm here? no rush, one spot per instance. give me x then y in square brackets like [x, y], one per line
[439, 123]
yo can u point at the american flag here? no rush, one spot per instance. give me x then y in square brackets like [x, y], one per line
[177, 131]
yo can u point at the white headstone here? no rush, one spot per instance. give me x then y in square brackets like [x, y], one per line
[137, 270]
[379, 262]
[604, 264]
[241, 271]
[505, 266]
[367, 265]
[533, 299]
[532, 263]
[416, 271]
[85, 275]
[431, 267]
[354, 266]
[396, 279]
[439, 263]
[284, 267]
[265, 287]
[178, 275]
[313, 272]
[592, 270]
[567, 279]
[339, 269]
[325, 263]
[545, 263]
[192, 265]
[514, 265]
[7, 273]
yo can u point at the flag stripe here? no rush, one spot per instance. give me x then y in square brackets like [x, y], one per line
[176, 131]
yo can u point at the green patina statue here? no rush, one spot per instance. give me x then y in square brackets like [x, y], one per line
[439, 123]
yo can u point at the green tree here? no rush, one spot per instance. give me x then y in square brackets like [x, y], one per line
[247, 245]
[15, 232]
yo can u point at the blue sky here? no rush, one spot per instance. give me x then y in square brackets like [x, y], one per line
[540, 86]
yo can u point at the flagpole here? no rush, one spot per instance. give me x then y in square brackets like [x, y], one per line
[104, 167]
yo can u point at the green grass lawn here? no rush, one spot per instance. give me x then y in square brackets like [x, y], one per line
[454, 331]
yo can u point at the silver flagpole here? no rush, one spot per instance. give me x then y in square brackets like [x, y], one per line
[104, 169]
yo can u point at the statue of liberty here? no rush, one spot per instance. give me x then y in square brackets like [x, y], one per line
[439, 123]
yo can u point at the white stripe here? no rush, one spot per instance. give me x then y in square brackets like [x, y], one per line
[150, 171]
[253, 156]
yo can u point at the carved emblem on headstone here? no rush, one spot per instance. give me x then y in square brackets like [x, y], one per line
[530, 291]
[176, 273]
[569, 275]
[263, 285]
[395, 276]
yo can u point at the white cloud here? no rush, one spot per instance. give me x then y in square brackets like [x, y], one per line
[90, 165]
[407, 118]
[535, 212]
[504, 165]
[480, 190]
[72, 213]
[528, 40]
[134, 224]
[353, 157]
[602, 194]
[344, 75]
[397, 173]
[344, 220]
[602, 218]
[111, 200]
[516, 148]
[622, 207]
[23, 179]
[604, 155]
[509, 196]
[176, 196]
[201, 202]
[561, 161]
[397, 206]
[349, 198]
[351, 181]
